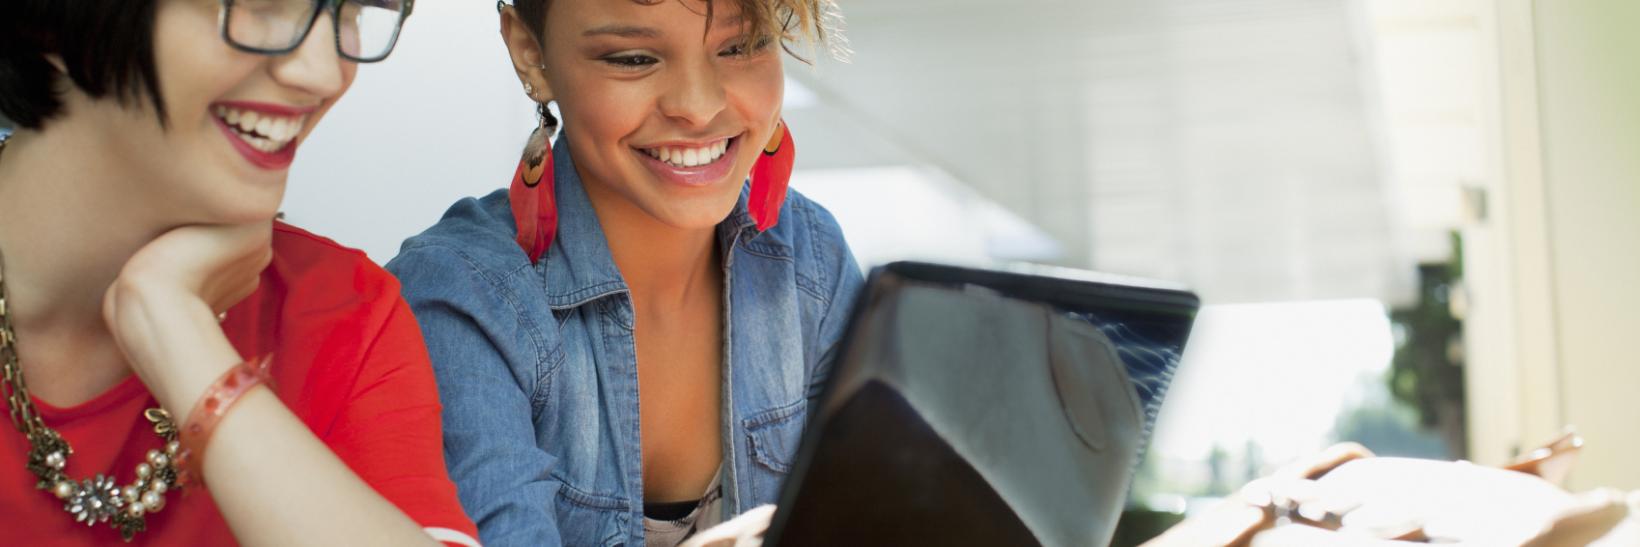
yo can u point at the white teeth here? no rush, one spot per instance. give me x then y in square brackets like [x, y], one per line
[281, 130]
[265, 132]
[689, 157]
[262, 144]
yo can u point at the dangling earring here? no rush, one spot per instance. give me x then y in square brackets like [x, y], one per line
[771, 173]
[534, 208]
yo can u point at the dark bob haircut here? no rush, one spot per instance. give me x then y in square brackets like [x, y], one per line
[107, 48]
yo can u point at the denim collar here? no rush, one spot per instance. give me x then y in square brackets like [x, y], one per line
[579, 266]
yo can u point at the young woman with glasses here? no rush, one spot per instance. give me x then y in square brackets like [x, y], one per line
[180, 368]
[629, 338]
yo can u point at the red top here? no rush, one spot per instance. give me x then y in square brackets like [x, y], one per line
[348, 361]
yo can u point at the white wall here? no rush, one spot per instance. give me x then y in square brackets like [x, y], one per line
[1225, 144]
[1568, 239]
[1589, 77]
[441, 119]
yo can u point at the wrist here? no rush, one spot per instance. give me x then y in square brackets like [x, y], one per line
[184, 381]
[171, 338]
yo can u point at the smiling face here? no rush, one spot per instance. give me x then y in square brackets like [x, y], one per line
[234, 120]
[665, 115]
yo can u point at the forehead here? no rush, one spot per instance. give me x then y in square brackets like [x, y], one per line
[641, 18]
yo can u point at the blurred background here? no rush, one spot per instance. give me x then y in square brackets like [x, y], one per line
[1416, 223]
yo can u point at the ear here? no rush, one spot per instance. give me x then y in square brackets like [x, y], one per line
[525, 49]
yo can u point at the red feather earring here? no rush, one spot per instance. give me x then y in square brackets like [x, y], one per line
[771, 173]
[534, 204]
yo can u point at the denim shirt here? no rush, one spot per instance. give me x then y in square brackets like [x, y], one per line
[537, 367]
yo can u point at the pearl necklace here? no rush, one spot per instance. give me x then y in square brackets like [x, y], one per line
[93, 500]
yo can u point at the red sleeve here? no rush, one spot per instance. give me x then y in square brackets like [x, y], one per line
[390, 432]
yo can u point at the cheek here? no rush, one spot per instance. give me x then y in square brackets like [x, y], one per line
[756, 92]
[756, 95]
[607, 111]
[194, 66]
[769, 79]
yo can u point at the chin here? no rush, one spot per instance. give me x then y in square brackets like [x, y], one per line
[683, 208]
[692, 221]
[697, 217]
[250, 206]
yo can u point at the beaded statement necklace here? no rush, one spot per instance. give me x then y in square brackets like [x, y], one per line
[93, 500]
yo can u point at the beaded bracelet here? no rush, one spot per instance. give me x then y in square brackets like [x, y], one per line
[209, 410]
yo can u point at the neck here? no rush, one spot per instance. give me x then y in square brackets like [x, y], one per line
[663, 265]
[69, 220]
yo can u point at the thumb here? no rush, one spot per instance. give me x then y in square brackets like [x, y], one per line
[745, 530]
[1591, 516]
[1298, 535]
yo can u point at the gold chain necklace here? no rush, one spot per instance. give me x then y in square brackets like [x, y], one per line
[93, 500]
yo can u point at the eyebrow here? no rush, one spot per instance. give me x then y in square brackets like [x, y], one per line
[624, 31]
[630, 31]
[732, 21]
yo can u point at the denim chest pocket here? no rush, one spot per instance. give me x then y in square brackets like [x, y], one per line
[772, 438]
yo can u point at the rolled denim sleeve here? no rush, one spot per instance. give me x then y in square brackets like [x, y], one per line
[486, 379]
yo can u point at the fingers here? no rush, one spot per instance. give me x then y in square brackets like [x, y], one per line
[1291, 490]
[1309, 536]
[219, 264]
[1385, 521]
[178, 275]
[1294, 484]
[1552, 461]
[1229, 523]
[745, 530]
[1593, 515]
[1313, 467]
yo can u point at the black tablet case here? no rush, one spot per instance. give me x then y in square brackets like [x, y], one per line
[974, 407]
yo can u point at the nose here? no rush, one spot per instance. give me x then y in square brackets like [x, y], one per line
[694, 95]
[314, 66]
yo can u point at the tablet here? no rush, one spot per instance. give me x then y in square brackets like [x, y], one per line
[984, 407]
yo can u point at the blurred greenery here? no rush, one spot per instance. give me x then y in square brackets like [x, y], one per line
[1427, 371]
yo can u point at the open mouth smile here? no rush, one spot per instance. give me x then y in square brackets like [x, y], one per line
[265, 134]
[693, 164]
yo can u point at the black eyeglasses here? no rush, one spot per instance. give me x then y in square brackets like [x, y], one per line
[365, 29]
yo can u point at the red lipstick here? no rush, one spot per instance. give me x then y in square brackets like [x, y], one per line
[273, 161]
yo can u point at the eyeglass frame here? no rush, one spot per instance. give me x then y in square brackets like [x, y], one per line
[336, 24]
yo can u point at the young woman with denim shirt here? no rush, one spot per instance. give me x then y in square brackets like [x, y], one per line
[629, 339]
[198, 373]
